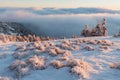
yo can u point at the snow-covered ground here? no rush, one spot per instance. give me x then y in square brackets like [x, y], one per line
[59, 59]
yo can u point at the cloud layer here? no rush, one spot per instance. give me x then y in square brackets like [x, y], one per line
[51, 11]
[56, 24]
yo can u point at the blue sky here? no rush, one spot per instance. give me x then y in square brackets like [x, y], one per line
[110, 4]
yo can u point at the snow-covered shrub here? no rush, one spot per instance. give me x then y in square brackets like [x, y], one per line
[22, 71]
[36, 44]
[67, 54]
[68, 42]
[5, 39]
[46, 44]
[63, 58]
[42, 48]
[21, 48]
[15, 65]
[117, 34]
[74, 47]
[51, 43]
[80, 40]
[105, 42]
[115, 65]
[53, 52]
[56, 64]
[59, 51]
[4, 78]
[19, 68]
[36, 62]
[72, 62]
[104, 47]
[20, 54]
[85, 40]
[64, 46]
[92, 42]
[118, 49]
[81, 68]
[89, 48]
[37, 52]
[20, 38]
[108, 43]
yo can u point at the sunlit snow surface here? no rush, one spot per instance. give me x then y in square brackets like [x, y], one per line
[99, 59]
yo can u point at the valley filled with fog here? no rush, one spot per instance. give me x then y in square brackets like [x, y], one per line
[61, 22]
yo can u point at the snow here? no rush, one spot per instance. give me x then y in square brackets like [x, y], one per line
[104, 59]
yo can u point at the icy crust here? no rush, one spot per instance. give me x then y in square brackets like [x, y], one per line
[81, 57]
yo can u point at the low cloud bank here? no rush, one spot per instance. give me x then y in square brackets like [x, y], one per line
[57, 25]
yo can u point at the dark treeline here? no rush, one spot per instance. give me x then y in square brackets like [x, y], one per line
[98, 30]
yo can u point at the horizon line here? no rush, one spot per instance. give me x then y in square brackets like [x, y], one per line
[37, 8]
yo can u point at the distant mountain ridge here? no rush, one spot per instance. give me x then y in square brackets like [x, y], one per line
[51, 11]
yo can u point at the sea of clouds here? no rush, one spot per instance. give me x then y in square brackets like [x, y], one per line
[61, 22]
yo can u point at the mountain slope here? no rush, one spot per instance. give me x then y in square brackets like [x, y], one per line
[13, 28]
